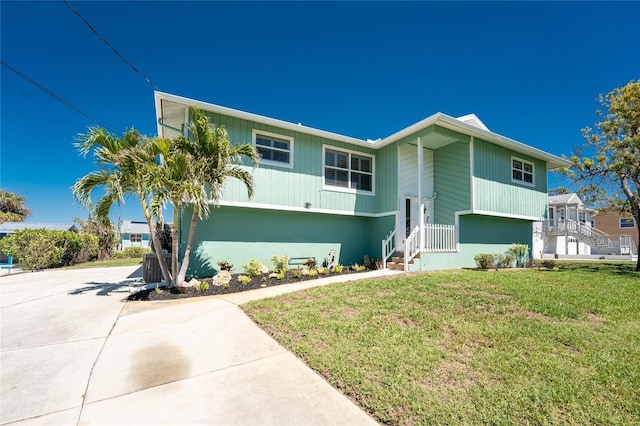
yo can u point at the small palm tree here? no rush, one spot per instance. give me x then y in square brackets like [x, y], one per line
[12, 208]
[195, 173]
[127, 166]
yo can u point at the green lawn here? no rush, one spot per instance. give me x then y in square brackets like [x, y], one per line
[108, 263]
[471, 347]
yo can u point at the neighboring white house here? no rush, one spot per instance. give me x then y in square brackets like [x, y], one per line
[134, 234]
[568, 229]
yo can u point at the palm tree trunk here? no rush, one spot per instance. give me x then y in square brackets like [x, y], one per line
[166, 274]
[187, 251]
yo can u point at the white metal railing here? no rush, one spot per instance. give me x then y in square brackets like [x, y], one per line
[388, 247]
[411, 246]
[627, 245]
[440, 238]
[593, 236]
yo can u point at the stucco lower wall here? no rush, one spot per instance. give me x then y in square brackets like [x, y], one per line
[236, 235]
[479, 234]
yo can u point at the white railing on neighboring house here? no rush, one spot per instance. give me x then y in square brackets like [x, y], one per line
[440, 238]
[579, 230]
[388, 247]
[627, 245]
[411, 246]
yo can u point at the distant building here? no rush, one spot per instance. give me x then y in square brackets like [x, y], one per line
[620, 227]
[572, 229]
[134, 234]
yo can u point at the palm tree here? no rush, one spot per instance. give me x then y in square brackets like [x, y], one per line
[127, 166]
[196, 170]
[12, 208]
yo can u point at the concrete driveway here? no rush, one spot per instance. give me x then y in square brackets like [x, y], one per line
[74, 353]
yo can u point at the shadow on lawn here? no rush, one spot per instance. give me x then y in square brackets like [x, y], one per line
[627, 269]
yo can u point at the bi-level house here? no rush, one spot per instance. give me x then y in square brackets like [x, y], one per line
[429, 196]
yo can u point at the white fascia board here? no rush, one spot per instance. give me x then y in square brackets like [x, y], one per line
[262, 206]
[443, 120]
[261, 119]
[158, 102]
[506, 215]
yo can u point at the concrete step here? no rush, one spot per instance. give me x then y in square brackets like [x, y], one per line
[395, 266]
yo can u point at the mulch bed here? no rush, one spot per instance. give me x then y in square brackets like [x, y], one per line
[235, 286]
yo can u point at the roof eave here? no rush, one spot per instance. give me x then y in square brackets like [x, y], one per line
[552, 161]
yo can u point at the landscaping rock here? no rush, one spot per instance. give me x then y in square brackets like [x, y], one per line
[224, 277]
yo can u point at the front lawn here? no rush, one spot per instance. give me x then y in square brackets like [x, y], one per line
[470, 347]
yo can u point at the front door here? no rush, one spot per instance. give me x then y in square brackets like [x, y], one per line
[411, 214]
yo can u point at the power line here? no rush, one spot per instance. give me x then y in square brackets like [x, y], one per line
[57, 97]
[93, 30]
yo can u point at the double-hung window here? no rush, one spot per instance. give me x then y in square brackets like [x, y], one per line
[135, 238]
[276, 150]
[347, 170]
[522, 171]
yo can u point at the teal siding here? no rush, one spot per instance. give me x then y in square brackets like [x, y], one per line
[238, 234]
[294, 187]
[452, 181]
[479, 234]
[495, 192]
[387, 178]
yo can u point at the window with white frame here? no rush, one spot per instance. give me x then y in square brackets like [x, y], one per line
[274, 149]
[522, 171]
[348, 170]
[135, 238]
[627, 222]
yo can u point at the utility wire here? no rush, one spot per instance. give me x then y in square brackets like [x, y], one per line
[93, 30]
[56, 96]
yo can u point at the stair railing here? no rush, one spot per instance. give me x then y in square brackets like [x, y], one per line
[388, 247]
[411, 246]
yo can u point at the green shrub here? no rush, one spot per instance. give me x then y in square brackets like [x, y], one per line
[202, 286]
[358, 268]
[134, 252]
[253, 268]
[42, 248]
[280, 264]
[485, 260]
[521, 254]
[244, 279]
[505, 260]
[337, 269]
[296, 273]
[312, 272]
[549, 263]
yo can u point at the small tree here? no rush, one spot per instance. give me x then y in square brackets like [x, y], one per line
[12, 208]
[194, 173]
[104, 232]
[607, 167]
[126, 166]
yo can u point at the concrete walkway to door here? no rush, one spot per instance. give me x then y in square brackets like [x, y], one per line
[74, 353]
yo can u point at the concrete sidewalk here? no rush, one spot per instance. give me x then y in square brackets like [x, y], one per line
[74, 353]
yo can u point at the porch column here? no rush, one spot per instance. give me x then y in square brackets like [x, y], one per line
[420, 195]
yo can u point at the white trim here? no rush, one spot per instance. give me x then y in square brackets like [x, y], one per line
[507, 215]
[302, 209]
[472, 174]
[533, 172]
[289, 165]
[326, 187]
[443, 120]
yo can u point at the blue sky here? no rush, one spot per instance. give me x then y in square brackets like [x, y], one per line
[530, 71]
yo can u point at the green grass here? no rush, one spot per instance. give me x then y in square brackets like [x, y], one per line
[108, 263]
[470, 347]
